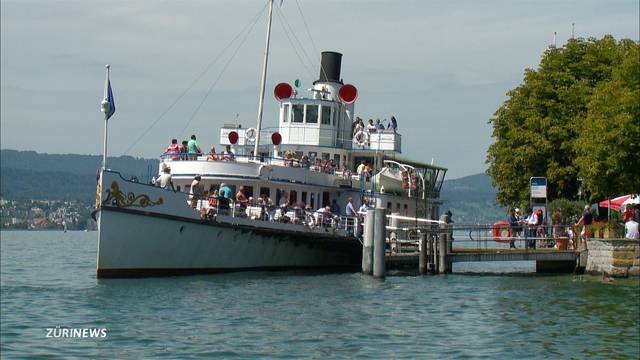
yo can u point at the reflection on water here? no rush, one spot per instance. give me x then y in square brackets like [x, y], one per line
[48, 280]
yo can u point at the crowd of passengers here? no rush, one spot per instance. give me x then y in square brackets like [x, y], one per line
[221, 200]
[190, 150]
[371, 127]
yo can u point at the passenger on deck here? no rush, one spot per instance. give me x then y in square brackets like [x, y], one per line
[284, 198]
[360, 168]
[349, 209]
[193, 148]
[367, 171]
[362, 211]
[212, 154]
[196, 190]
[173, 150]
[184, 150]
[241, 199]
[213, 202]
[393, 124]
[224, 197]
[371, 128]
[379, 126]
[359, 127]
[327, 216]
[164, 180]
[304, 162]
[228, 155]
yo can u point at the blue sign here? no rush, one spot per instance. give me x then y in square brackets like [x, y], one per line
[538, 187]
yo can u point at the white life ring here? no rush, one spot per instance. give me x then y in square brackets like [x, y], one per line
[361, 138]
[250, 134]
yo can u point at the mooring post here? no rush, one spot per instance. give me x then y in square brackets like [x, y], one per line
[432, 255]
[379, 243]
[367, 246]
[442, 252]
[422, 267]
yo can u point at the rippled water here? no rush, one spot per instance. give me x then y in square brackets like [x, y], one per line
[48, 280]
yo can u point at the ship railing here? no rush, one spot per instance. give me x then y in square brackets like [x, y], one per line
[278, 161]
[350, 224]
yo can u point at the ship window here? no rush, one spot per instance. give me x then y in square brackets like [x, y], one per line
[326, 156]
[312, 201]
[312, 114]
[325, 198]
[298, 113]
[248, 191]
[336, 160]
[313, 155]
[285, 113]
[304, 197]
[265, 191]
[326, 115]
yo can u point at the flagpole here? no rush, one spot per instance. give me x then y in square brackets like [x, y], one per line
[106, 109]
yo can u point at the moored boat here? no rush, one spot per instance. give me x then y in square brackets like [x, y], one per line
[280, 177]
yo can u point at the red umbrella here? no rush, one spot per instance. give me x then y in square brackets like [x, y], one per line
[615, 203]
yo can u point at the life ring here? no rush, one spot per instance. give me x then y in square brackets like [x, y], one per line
[502, 232]
[361, 138]
[250, 134]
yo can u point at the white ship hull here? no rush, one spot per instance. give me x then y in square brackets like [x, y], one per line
[144, 241]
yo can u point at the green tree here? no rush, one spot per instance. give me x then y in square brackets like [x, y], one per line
[536, 128]
[608, 147]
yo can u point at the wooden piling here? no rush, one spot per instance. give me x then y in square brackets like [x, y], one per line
[379, 243]
[432, 256]
[442, 253]
[422, 266]
[367, 246]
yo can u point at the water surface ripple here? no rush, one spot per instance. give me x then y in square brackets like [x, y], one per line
[48, 280]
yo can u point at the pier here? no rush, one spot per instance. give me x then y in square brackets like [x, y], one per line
[429, 246]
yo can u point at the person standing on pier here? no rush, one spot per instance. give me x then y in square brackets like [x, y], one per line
[586, 220]
[513, 226]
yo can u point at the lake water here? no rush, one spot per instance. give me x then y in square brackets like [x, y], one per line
[48, 280]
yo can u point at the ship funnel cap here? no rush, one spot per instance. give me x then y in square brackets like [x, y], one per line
[330, 67]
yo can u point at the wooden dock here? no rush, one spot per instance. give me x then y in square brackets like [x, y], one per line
[433, 251]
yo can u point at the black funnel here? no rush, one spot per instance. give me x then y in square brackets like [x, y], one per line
[330, 67]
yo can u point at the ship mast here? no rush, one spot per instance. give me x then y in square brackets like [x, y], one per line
[264, 81]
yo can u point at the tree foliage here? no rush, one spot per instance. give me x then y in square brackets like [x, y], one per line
[554, 124]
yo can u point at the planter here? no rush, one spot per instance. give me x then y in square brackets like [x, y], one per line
[562, 243]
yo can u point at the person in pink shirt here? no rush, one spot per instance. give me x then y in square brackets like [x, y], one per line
[173, 150]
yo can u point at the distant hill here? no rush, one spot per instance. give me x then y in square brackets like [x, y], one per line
[471, 199]
[29, 175]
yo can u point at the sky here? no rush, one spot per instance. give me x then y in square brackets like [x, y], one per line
[441, 67]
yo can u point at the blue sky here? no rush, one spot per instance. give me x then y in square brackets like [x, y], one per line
[441, 67]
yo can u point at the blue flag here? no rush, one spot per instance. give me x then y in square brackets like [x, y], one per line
[108, 105]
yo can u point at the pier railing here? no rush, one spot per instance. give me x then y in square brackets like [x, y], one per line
[404, 234]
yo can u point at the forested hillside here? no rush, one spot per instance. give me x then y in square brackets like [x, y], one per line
[27, 175]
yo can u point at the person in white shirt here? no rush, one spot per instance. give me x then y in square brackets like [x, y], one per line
[164, 181]
[631, 230]
[532, 221]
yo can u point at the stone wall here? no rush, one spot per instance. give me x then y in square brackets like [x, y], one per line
[616, 257]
